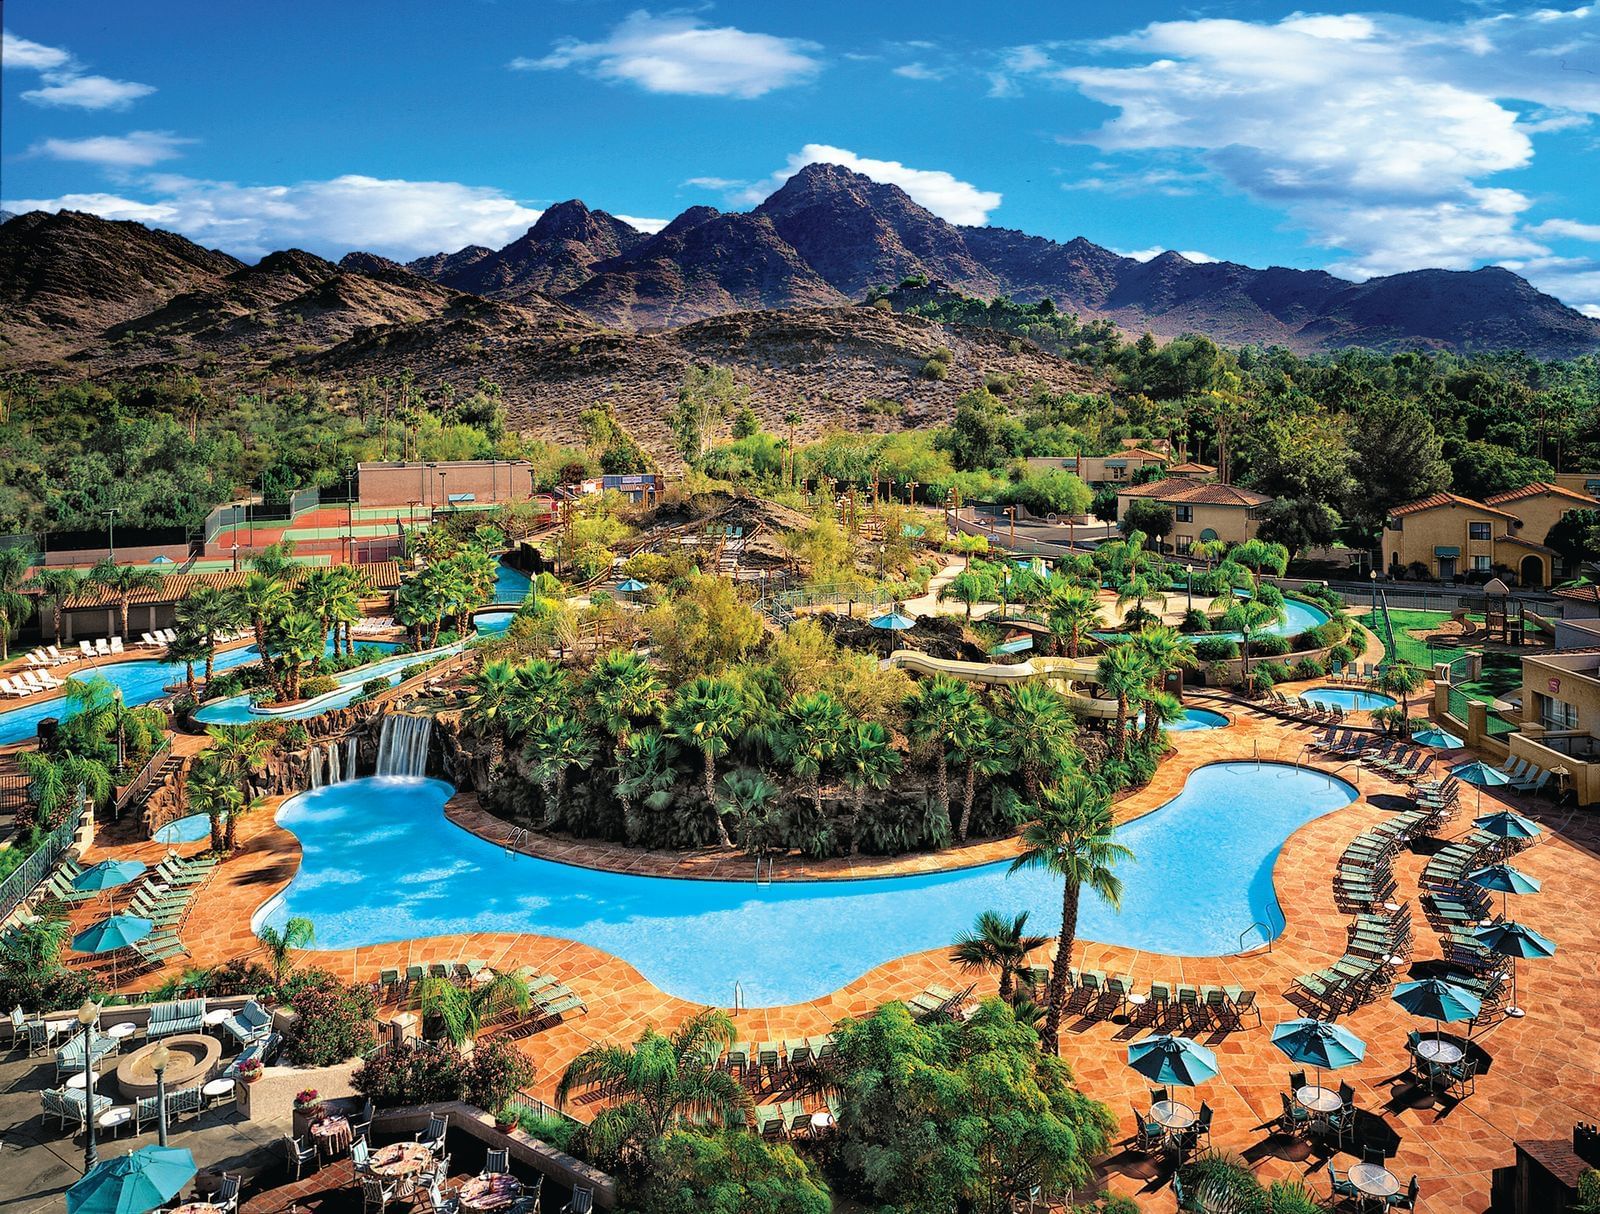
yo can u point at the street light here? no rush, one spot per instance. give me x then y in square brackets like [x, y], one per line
[122, 736]
[158, 1063]
[111, 533]
[1373, 575]
[444, 493]
[1189, 586]
[88, 1014]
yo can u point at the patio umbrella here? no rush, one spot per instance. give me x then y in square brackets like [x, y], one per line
[109, 935]
[892, 621]
[1318, 1043]
[1508, 825]
[1440, 739]
[108, 874]
[1437, 1000]
[1480, 773]
[1167, 1059]
[630, 586]
[141, 1180]
[1514, 940]
[1505, 879]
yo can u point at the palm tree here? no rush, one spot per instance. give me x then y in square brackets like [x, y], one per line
[261, 599]
[936, 710]
[54, 780]
[53, 586]
[239, 751]
[1251, 619]
[554, 750]
[1124, 675]
[1140, 588]
[15, 607]
[646, 773]
[299, 932]
[208, 612]
[752, 802]
[189, 647]
[413, 608]
[624, 690]
[1038, 732]
[707, 714]
[978, 745]
[297, 639]
[539, 689]
[792, 418]
[462, 1011]
[1257, 555]
[123, 582]
[869, 760]
[967, 587]
[1074, 612]
[1164, 650]
[1000, 946]
[215, 793]
[809, 737]
[1072, 838]
[1401, 678]
[489, 690]
[658, 1081]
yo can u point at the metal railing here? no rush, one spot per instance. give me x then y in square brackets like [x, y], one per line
[26, 877]
[785, 605]
[544, 1109]
[140, 784]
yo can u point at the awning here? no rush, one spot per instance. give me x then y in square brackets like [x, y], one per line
[1447, 552]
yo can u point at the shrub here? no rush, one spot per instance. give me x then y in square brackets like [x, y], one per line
[1270, 646]
[1218, 674]
[413, 670]
[1278, 670]
[319, 685]
[373, 686]
[1309, 668]
[496, 1072]
[935, 370]
[430, 1072]
[335, 1020]
[944, 355]
[560, 1132]
[1215, 649]
[224, 685]
[1194, 620]
[1343, 655]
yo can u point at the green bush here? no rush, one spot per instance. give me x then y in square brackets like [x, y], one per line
[1194, 620]
[429, 1073]
[1309, 668]
[320, 685]
[1278, 672]
[1341, 655]
[334, 1020]
[413, 670]
[560, 1132]
[935, 370]
[1215, 649]
[1270, 646]
[374, 685]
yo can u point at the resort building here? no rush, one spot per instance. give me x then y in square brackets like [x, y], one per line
[640, 488]
[1097, 471]
[1201, 510]
[465, 482]
[1448, 536]
[1560, 730]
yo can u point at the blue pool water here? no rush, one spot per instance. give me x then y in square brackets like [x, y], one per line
[1198, 718]
[1297, 617]
[235, 710]
[381, 863]
[511, 585]
[185, 830]
[1351, 699]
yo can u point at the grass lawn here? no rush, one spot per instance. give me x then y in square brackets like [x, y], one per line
[1502, 673]
[1410, 648]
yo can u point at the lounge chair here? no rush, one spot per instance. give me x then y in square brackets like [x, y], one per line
[249, 1024]
[116, 645]
[102, 647]
[86, 649]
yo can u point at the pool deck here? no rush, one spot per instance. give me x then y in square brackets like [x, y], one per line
[1545, 1071]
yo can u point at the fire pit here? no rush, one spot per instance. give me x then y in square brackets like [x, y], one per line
[192, 1059]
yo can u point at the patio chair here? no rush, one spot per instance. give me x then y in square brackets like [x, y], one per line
[116, 645]
[374, 1193]
[360, 1153]
[296, 1155]
[496, 1161]
[184, 1100]
[249, 1024]
[1342, 1189]
[1408, 1199]
[433, 1137]
[1296, 1118]
[102, 648]
[226, 1199]
[85, 649]
[769, 1120]
[439, 1203]
[1147, 1135]
[146, 1109]
[1242, 1003]
[582, 1200]
[1198, 1135]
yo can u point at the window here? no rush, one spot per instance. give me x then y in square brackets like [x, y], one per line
[1117, 472]
[1185, 544]
[1557, 714]
[1482, 564]
[1183, 514]
[1477, 531]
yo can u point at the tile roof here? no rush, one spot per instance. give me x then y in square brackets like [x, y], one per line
[1537, 489]
[383, 575]
[1522, 543]
[1578, 594]
[1194, 468]
[1141, 451]
[1435, 501]
[1197, 493]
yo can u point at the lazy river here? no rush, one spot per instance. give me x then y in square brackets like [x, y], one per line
[381, 863]
[235, 710]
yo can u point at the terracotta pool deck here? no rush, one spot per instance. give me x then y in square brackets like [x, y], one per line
[1544, 1072]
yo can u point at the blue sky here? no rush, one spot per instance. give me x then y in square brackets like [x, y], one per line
[1363, 141]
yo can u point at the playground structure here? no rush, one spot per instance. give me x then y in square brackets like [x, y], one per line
[1064, 674]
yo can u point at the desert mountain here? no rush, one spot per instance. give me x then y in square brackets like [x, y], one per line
[555, 255]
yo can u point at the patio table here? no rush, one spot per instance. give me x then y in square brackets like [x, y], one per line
[121, 1032]
[1319, 1100]
[489, 1192]
[400, 1159]
[1447, 1053]
[1173, 1115]
[1374, 1182]
[332, 1135]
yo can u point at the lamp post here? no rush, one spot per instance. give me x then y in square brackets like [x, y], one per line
[1188, 586]
[122, 736]
[88, 1014]
[111, 533]
[444, 493]
[1373, 577]
[158, 1063]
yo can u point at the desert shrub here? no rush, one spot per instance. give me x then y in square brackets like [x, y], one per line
[1309, 668]
[1215, 649]
[935, 370]
[319, 685]
[335, 1020]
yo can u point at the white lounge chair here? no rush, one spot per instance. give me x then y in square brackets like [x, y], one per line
[27, 680]
[11, 689]
[116, 645]
[86, 649]
[148, 641]
[56, 656]
[102, 648]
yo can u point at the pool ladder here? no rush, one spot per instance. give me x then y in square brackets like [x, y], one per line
[767, 880]
[515, 840]
[1266, 934]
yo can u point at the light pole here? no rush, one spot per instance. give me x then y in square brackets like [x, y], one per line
[158, 1063]
[444, 493]
[122, 736]
[111, 534]
[1373, 576]
[88, 1015]
[1189, 586]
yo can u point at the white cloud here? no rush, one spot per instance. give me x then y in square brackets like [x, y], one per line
[1156, 250]
[716, 183]
[1379, 135]
[644, 225]
[135, 150]
[88, 92]
[18, 52]
[919, 71]
[1569, 228]
[1590, 310]
[942, 193]
[680, 54]
[398, 218]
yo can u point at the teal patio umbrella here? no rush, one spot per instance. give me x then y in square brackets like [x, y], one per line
[1514, 940]
[1507, 824]
[134, 1183]
[109, 935]
[1440, 739]
[892, 621]
[1318, 1043]
[1505, 880]
[1480, 773]
[1166, 1059]
[630, 586]
[1437, 1000]
[108, 874]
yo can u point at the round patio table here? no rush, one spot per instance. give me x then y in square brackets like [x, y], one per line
[1173, 1115]
[489, 1192]
[1373, 1181]
[332, 1135]
[113, 1120]
[821, 1121]
[216, 1017]
[1446, 1052]
[121, 1032]
[400, 1159]
[1319, 1100]
[75, 1080]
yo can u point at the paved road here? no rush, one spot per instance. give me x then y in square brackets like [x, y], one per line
[1046, 539]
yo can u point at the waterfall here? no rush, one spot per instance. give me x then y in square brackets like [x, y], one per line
[350, 757]
[314, 764]
[334, 775]
[403, 745]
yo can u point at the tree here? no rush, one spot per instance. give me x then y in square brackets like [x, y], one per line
[1259, 556]
[539, 689]
[1149, 516]
[1036, 731]
[188, 647]
[968, 588]
[1303, 462]
[1481, 469]
[489, 691]
[238, 752]
[707, 714]
[936, 711]
[53, 587]
[704, 629]
[625, 691]
[208, 612]
[730, 1172]
[1576, 538]
[708, 394]
[751, 800]
[808, 739]
[1164, 651]
[15, 607]
[982, 751]
[1398, 452]
[462, 1011]
[1072, 838]
[260, 599]
[1000, 946]
[297, 933]
[555, 748]
[1073, 613]
[122, 582]
[1402, 679]
[1299, 523]
[294, 640]
[1252, 619]
[656, 1082]
[213, 792]
[1124, 675]
[53, 783]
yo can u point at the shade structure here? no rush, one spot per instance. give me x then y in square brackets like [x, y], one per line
[1172, 1060]
[630, 586]
[1436, 999]
[118, 931]
[892, 621]
[1504, 879]
[1440, 739]
[1318, 1043]
[134, 1183]
[1514, 940]
[1508, 825]
[1480, 773]
[108, 874]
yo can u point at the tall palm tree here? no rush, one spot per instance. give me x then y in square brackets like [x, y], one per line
[413, 608]
[646, 774]
[296, 639]
[189, 647]
[869, 761]
[809, 737]
[239, 751]
[53, 783]
[707, 714]
[752, 803]
[554, 749]
[209, 612]
[625, 691]
[1164, 651]
[262, 599]
[1037, 732]
[1252, 619]
[1072, 838]
[299, 932]
[462, 1011]
[1000, 946]
[539, 688]
[53, 587]
[122, 582]
[1123, 674]
[1074, 612]
[315, 593]
[658, 1081]
[981, 750]
[213, 792]
[15, 607]
[936, 710]
[1401, 678]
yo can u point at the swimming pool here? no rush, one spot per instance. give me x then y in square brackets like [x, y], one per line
[185, 830]
[1297, 618]
[511, 585]
[1198, 718]
[235, 710]
[1351, 699]
[492, 623]
[380, 862]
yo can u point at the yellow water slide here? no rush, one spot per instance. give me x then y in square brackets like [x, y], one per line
[1062, 673]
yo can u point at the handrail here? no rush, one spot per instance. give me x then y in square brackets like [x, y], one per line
[140, 783]
[19, 885]
[1266, 935]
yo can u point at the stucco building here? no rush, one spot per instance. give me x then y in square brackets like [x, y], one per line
[1201, 510]
[437, 484]
[1448, 536]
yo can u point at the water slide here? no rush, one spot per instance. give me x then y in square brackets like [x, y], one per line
[1063, 673]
